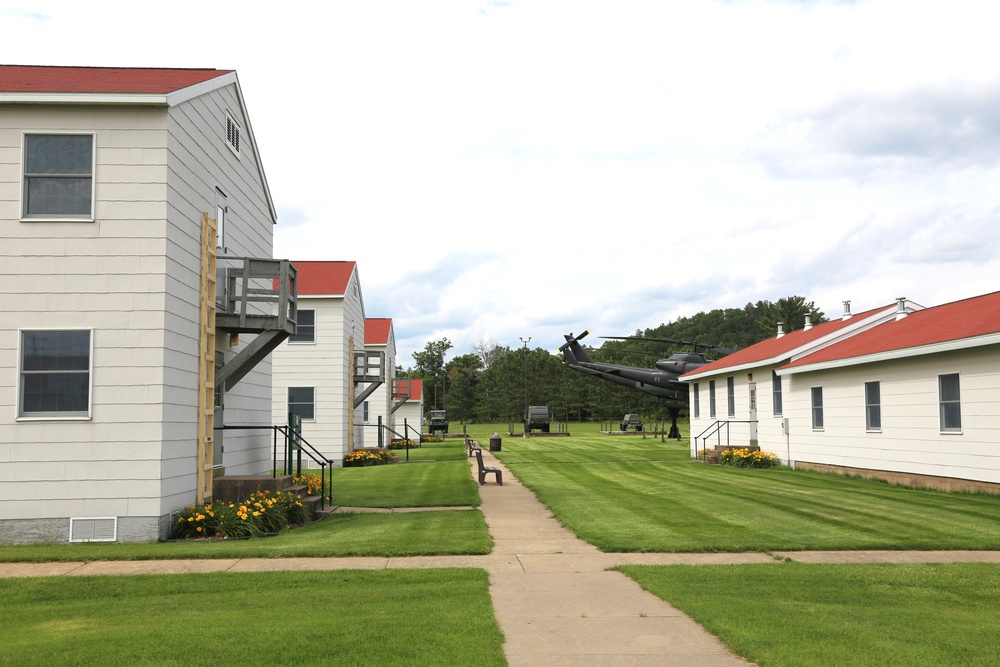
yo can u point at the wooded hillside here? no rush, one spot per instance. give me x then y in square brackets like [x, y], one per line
[492, 383]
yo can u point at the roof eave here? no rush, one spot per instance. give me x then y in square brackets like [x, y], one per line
[146, 99]
[889, 355]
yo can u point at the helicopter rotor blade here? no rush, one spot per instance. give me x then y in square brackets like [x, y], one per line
[705, 346]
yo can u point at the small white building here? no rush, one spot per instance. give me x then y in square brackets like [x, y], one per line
[408, 395]
[380, 343]
[903, 393]
[315, 372]
[121, 190]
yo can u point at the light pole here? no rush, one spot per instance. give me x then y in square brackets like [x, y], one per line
[525, 343]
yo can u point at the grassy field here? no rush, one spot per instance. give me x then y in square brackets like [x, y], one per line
[626, 493]
[384, 617]
[622, 493]
[435, 480]
[804, 615]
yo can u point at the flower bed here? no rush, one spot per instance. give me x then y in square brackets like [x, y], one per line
[744, 458]
[362, 458]
[264, 512]
[398, 443]
[311, 480]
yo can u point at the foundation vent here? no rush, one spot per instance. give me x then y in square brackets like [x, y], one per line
[93, 529]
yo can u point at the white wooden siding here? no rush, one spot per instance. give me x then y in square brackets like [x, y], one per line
[132, 276]
[326, 365]
[910, 439]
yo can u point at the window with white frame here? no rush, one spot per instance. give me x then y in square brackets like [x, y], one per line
[776, 394]
[221, 208]
[731, 396]
[697, 400]
[302, 402]
[950, 400]
[54, 376]
[817, 407]
[711, 399]
[58, 177]
[305, 327]
[873, 406]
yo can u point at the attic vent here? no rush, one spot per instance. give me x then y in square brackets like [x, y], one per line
[233, 135]
[94, 529]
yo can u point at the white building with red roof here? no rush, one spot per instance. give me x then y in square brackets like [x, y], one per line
[409, 396]
[378, 406]
[123, 188]
[903, 393]
[314, 371]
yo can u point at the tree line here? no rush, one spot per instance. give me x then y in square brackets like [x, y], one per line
[494, 383]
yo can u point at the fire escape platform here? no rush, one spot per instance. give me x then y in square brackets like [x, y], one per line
[261, 299]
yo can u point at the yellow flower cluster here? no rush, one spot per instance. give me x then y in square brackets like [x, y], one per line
[744, 458]
[311, 480]
[365, 457]
[260, 514]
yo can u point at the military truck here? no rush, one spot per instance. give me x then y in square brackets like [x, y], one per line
[538, 418]
[632, 421]
[438, 422]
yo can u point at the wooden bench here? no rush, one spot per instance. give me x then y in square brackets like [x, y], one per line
[486, 470]
[472, 445]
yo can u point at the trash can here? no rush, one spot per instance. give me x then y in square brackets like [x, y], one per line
[495, 442]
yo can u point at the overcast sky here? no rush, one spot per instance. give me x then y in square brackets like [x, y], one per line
[501, 169]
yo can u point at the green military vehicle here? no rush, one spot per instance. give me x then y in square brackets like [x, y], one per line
[538, 418]
[631, 421]
[438, 422]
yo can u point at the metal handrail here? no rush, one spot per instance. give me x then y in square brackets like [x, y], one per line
[314, 454]
[295, 442]
[716, 429]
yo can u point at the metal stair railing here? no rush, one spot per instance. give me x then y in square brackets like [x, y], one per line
[716, 429]
[294, 442]
[298, 443]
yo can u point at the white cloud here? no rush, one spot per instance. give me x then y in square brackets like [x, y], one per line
[630, 162]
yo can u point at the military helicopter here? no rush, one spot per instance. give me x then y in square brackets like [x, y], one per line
[660, 381]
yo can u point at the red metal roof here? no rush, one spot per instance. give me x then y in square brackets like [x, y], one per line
[968, 318]
[775, 348]
[138, 80]
[324, 278]
[377, 330]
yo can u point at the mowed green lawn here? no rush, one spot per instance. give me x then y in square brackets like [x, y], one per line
[620, 492]
[441, 478]
[383, 617]
[626, 493]
[808, 615]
